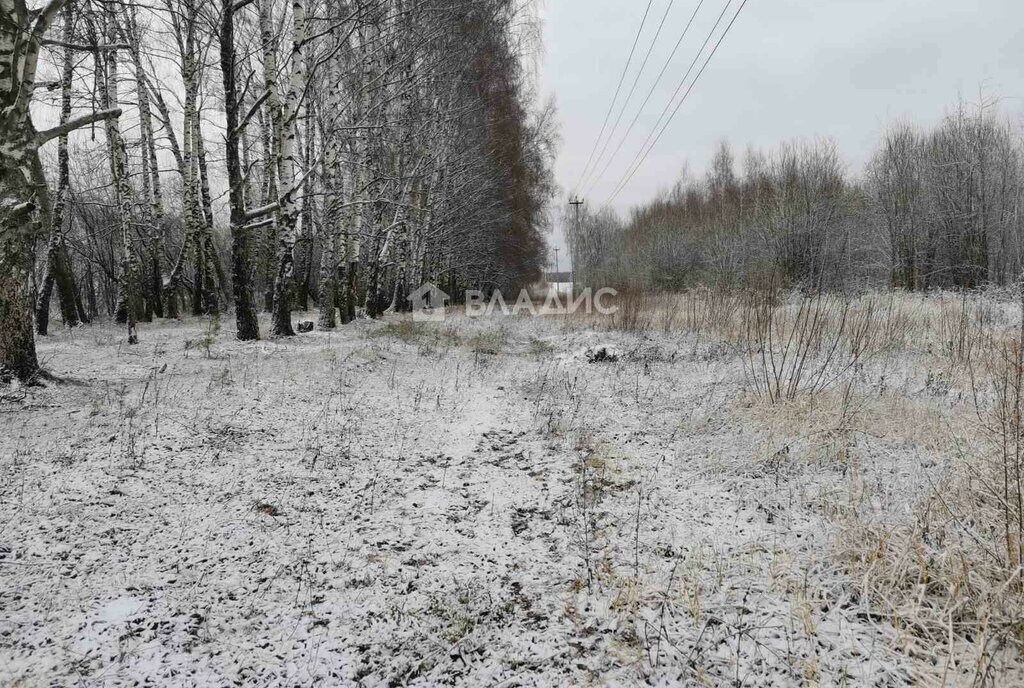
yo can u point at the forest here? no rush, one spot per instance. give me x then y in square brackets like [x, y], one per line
[255, 156]
[934, 208]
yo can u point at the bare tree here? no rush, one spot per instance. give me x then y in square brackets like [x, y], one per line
[23, 189]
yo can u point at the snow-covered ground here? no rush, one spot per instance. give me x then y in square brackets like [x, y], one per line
[467, 503]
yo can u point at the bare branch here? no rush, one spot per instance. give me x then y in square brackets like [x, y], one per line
[260, 212]
[252, 112]
[84, 47]
[76, 123]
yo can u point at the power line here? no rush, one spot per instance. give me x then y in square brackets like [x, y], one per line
[636, 82]
[682, 82]
[721, 38]
[611, 106]
[636, 118]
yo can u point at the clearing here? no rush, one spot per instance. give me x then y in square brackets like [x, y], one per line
[478, 502]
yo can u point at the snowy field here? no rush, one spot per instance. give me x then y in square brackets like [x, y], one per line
[478, 503]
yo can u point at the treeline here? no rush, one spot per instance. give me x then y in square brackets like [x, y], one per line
[263, 155]
[937, 208]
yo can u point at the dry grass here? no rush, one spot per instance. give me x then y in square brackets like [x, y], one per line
[940, 375]
[943, 324]
[489, 341]
[426, 335]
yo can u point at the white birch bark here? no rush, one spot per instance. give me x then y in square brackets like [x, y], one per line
[21, 34]
[128, 288]
[290, 177]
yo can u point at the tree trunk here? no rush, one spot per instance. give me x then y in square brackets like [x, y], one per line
[289, 175]
[245, 311]
[212, 270]
[327, 287]
[152, 207]
[17, 344]
[21, 34]
[58, 263]
[129, 297]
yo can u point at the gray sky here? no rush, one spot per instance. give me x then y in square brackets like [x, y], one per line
[788, 69]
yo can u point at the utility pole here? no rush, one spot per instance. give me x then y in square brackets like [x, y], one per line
[556, 259]
[575, 203]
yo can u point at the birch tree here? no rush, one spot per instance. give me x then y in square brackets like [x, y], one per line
[245, 311]
[57, 267]
[368, 146]
[23, 190]
[129, 296]
[289, 172]
[151, 208]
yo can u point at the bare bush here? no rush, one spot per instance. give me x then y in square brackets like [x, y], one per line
[805, 346]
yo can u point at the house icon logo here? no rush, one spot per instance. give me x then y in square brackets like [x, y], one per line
[428, 303]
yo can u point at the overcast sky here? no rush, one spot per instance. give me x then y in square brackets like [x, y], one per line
[789, 69]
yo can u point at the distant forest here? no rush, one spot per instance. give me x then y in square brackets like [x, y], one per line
[934, 209]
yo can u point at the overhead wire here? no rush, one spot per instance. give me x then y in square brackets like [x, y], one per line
[618, 89]
[643, 154]
[632, 90]
[594, 182]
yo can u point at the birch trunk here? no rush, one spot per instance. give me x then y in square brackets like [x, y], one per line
[245, 312]
[152, 206]
[335, 190]
[214, 279]
[306, 229]
[22, 188]
[58, 263]
[17, 149]
[289, 156]
[17, 345]
[128, 291]
[271, 140]
[327, 285]
[185, 157]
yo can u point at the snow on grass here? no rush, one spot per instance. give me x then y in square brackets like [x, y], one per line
[468, 503]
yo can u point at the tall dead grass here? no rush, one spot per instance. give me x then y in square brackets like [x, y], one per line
[787, 327]
[948, 573]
